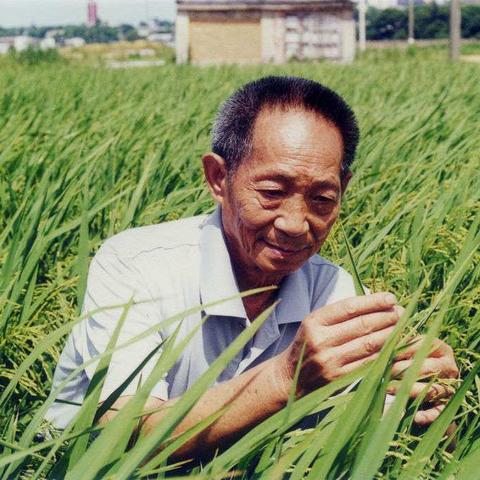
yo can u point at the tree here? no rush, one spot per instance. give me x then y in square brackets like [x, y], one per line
[388, 24]
[471, 21]
[431, 21]
[127, 32]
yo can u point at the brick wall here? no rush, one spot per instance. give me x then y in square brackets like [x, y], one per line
[225, 41]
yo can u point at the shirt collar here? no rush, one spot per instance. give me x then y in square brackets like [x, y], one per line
[217, 279]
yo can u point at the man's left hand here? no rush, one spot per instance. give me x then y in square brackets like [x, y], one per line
[441, 364]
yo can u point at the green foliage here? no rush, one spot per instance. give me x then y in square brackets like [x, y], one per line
[127, 32]
[387, 24]
[35, 56]
[431, 21]
[85, 153]
[471, 21]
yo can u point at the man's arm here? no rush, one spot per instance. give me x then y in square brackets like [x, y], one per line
[251, 397]
[339, 338]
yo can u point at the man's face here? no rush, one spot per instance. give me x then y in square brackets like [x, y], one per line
[282, 201]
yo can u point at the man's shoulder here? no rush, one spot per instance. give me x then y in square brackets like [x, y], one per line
[160, 238]
[325, 274]
[317, 262]
[318, 265]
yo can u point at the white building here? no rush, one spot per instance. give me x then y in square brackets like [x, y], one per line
[166, 38]
[382, 4]
[47, 43]
[5, 44]
[22, 42]
[256, 31]
[75, 42]
[55, 33]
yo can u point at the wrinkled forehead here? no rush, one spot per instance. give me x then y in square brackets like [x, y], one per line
[294, 128]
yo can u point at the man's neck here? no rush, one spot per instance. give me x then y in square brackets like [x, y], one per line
[248, 280]
[253, 278]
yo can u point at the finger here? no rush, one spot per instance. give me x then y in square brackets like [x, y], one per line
[411, 348]
[430, 366]
[363, 325]
[438, 348]
[450, 432]
[351, 367]
[433, 392]
[426, 417]
[353, 307]
[362, 347]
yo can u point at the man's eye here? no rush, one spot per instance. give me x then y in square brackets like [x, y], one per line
[322, 199]
[272, 194]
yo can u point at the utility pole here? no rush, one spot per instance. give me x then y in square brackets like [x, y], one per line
[362, 25]
[455, 32]
[411, 21]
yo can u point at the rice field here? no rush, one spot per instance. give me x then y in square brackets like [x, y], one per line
[88, 152]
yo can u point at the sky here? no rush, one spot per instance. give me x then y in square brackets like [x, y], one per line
[16, 13]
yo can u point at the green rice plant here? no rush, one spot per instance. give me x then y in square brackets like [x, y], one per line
[86, 153]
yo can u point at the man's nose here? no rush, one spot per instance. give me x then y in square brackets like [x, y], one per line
[292, 219]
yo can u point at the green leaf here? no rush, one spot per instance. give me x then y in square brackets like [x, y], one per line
[436, 431]
[359, 290]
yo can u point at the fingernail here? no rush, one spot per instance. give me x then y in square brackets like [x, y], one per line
[390, 298]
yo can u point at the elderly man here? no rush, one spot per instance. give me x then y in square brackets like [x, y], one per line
[280, 163]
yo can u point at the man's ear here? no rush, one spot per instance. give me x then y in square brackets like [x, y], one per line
[346, 180]
[215, 170]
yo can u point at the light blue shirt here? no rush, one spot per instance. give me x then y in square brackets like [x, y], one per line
[169, 268]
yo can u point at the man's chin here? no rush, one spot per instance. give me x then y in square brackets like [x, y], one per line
[280, 267]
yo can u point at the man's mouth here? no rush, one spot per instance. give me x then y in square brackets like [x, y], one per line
[284, 249]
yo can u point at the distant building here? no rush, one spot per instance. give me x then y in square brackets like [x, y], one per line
[263, 31]
[143, 30]
[75, 42]
[165, 38]
[404, 3]
[55, 33]
[92, 13]
[19, 43]
[22, 42]
[382, 4]
[6, 43]
[47, 43]
[156, 30]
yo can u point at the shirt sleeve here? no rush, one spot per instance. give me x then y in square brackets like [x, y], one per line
[113, 280]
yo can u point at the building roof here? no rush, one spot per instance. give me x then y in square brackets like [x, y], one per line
[255, 2]
[273, 5]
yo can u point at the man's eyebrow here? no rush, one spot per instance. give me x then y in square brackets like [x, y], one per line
[285, 178]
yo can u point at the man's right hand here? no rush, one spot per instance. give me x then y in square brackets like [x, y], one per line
[338, 339]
